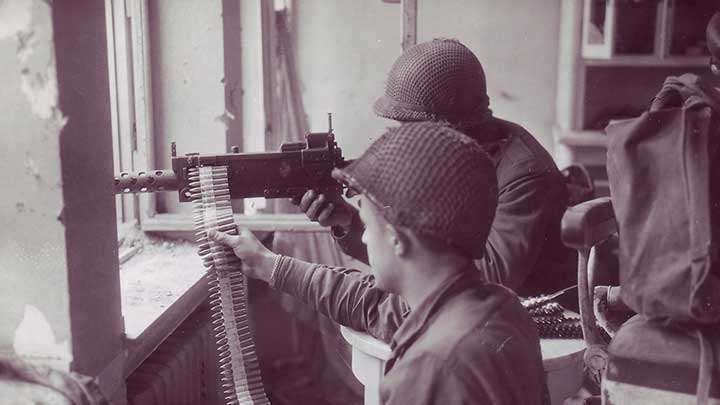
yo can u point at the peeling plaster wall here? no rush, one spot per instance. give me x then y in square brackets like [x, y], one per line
[32, 240]
[346, 48]
[186, 45]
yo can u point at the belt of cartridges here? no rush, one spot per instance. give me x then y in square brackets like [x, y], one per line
[240, 377]
[550, 320]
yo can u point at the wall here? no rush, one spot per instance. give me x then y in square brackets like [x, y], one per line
[346, 48]
[186, 45]
[58, 246]
[30, 167]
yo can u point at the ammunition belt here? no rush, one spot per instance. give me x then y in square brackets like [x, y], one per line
[240, 377]
[550, 320]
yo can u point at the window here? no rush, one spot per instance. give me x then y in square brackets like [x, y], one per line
[131, 115]
[191, 75]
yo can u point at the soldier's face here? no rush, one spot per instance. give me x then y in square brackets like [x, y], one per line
[379, 237]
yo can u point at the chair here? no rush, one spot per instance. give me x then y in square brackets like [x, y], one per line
[663, 369]
[584, 226]
[368, 362]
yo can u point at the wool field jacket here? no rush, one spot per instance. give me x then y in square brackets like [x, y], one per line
[468, 342]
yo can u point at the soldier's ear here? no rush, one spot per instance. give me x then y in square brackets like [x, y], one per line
[398, 240]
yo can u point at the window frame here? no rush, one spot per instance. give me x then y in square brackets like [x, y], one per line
[131, 97]
[132, 119]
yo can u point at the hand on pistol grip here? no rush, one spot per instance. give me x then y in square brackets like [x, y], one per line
[326, 209]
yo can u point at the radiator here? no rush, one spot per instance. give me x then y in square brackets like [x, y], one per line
[183, 369]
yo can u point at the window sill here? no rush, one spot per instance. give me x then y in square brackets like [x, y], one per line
[160, 287]
[163, 282]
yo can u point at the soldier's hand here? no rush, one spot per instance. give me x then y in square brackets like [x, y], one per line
[325, 209]
[257, 259]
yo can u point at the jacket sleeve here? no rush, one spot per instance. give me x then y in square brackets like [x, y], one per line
[350, 240]
[529, 210]
[346, 296]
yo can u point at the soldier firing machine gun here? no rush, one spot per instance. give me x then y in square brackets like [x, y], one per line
[210, 182]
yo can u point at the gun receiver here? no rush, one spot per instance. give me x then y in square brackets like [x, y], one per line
[296, 168]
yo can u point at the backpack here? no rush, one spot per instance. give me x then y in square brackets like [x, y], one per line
[664, 174]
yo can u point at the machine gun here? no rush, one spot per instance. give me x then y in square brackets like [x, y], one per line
[296, 168]
[210, 182]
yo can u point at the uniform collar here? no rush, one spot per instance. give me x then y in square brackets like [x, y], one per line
[418, 319]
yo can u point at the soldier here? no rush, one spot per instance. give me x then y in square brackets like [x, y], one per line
[427, 198]
[442, 80]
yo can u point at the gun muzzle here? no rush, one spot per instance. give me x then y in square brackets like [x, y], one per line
[146, 181]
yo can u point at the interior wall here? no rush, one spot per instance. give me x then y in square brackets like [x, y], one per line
[60, 301]
[346, 48]
[31, 177]
[186, 47]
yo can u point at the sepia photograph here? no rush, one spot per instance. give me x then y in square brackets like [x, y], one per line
[360, 202]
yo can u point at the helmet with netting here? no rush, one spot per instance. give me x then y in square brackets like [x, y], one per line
[431, 179]
[439, 80]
